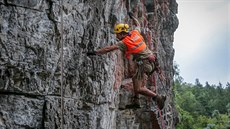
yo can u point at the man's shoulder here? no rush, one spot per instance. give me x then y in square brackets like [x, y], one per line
[121, 45]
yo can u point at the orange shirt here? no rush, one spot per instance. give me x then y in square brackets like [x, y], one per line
[134, 42]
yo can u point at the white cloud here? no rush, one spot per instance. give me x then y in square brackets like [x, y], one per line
[201, 23]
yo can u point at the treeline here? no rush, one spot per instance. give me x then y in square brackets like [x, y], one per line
[202, 106]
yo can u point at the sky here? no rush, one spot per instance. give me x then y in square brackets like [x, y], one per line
[202, 41]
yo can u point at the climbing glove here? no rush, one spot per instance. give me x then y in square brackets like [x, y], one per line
[91, 53]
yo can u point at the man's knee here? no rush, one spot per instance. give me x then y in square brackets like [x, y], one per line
[139, 84]
[139, 90]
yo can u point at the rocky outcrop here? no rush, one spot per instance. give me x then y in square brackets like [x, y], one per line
[31, 57]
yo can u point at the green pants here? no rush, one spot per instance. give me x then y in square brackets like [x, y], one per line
[143, 67]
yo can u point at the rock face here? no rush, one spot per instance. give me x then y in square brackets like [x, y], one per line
[31, 58]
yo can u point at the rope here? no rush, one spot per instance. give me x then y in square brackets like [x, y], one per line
[62, 95]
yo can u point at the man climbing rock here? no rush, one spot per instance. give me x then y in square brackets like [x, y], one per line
[132, 43]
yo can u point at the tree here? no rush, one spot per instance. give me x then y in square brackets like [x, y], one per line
[201, 107]
[207, 85]
[228, 85]
[197, 82]
[176, 73]
[228, 109]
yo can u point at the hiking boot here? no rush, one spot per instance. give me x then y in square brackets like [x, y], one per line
[160, 101]
[135, 104]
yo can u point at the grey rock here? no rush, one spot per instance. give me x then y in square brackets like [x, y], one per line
[19, 111]
[30, 64]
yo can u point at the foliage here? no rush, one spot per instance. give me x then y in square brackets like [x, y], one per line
[201, 107]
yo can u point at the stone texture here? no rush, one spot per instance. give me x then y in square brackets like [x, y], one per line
[32, 4]
[19, 111]
[30, 64]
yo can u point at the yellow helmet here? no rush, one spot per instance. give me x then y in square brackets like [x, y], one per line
[121, 28]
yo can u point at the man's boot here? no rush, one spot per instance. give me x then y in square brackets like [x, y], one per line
[135, 103]
[160, 101]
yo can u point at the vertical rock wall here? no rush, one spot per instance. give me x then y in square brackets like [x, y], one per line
[30, 64]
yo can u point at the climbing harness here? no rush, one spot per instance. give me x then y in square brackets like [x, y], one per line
[140, 62]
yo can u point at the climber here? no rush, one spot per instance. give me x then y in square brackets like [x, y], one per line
[132, 43]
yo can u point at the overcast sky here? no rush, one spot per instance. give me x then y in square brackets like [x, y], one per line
[202, 41]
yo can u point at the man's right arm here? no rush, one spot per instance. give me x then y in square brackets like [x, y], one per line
[106, 49]
[120, 45]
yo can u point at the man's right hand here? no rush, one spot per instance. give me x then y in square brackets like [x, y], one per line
[91, 53]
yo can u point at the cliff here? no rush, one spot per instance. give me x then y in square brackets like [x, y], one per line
[44, 55]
